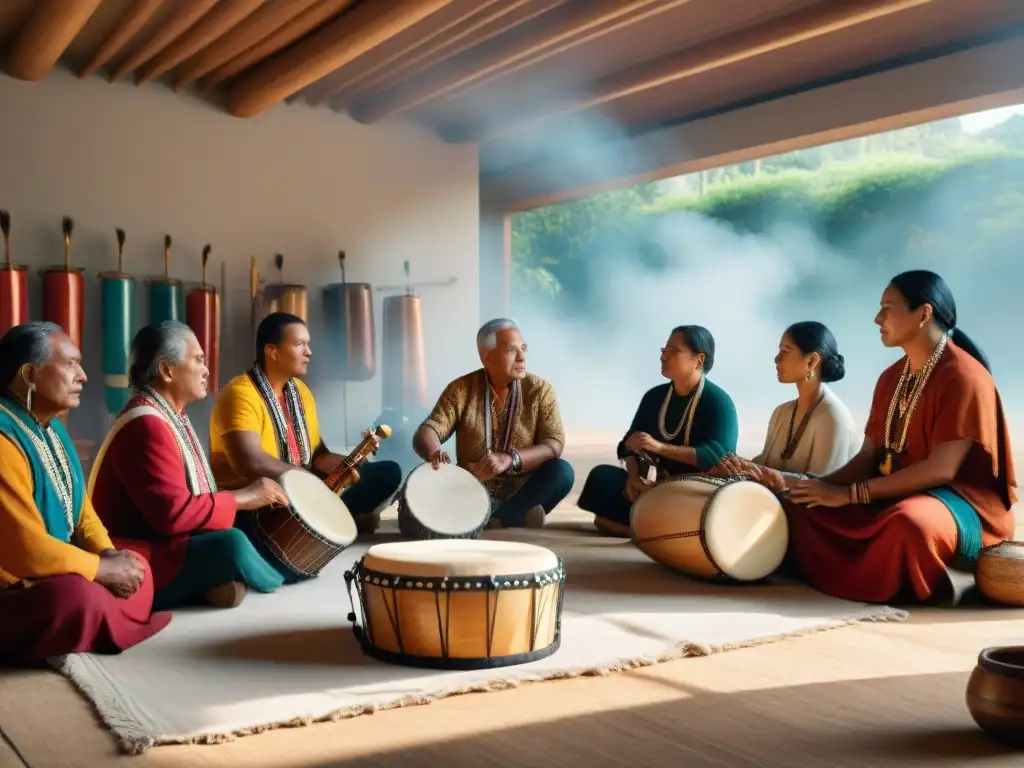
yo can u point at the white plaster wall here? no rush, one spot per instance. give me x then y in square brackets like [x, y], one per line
[294, 180]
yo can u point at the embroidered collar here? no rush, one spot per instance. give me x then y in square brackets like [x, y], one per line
[296, 415]
[198, 474]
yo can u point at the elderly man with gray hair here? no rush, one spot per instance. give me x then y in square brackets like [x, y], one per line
[508, 431]
[151, 483]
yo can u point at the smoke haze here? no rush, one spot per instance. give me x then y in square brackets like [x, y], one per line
[603, 354]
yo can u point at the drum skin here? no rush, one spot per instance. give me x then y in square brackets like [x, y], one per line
[117, 312]
[460, 614]
[13, 296]
[712, 528]
[166, 301]
[350, 330]
[64, 300]
[460, 507]
[202, 313]
[312, 531]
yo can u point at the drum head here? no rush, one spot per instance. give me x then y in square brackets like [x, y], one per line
[458, 557]
[746, 531]
[319, 507]
[447, 500]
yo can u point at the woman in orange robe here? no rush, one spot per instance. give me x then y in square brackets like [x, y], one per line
[934, 481]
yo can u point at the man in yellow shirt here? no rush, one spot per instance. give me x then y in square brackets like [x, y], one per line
[265, 422]
[64, 588]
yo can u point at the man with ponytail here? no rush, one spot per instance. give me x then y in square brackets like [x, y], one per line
[934, 481]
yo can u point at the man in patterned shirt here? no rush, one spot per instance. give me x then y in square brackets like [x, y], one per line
[508, 431]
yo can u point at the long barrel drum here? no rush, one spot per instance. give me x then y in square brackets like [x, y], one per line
[117, 310]
[203, 317]
[13, 296]
[351, 336]
[166, 300]
[405, 365]
[13, 283]
[117, 299]
[64, 292]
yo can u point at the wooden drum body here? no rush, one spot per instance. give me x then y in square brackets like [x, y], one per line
[729, 529]
[457, 604]
[314, 530]
[443, 503]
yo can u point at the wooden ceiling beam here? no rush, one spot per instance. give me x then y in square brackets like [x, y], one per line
[361, 29]
[183, 15]
[134, 19]
[221, 18]
[48, 32]
[322, 90]
[270, 18]
[600, 18]
[295, 29]
[819, 20]
[500, 20]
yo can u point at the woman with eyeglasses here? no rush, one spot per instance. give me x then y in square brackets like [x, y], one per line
[684, 426]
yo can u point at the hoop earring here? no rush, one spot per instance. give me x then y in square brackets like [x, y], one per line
[28, 398]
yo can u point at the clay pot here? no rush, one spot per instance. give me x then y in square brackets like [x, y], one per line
[995, 693]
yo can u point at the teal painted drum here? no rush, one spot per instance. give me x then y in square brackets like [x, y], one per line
[166, 301]
[117, 295]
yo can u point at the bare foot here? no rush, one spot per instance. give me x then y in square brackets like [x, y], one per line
[611, 528]
[368, 523]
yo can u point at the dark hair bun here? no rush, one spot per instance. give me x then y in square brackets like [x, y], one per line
[833, 367]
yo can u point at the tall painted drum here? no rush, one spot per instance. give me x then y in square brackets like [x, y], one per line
[118, 307]
[166, 300]
[203, 313]
[64, 299]
[13, 296]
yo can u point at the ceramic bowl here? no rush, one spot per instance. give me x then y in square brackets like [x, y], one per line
[995, 693]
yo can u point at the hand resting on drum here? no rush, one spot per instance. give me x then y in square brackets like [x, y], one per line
[262, 492]
[734, 466]
[439, 457]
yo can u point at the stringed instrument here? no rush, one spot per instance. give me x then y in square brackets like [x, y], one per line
[343, 475]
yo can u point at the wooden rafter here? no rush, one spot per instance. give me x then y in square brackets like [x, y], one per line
[183, 15]
[50, 28]
[509, 15]
[299, 26]
[319, 92]
[270, 18]
[602, 17]
[355, 33]
[800, 26]
[221, 18]
[130, 23]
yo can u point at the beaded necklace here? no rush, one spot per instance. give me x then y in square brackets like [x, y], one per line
[908, 389]
[55, 462]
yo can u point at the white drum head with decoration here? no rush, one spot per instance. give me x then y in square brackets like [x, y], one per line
[447, 500]
[319, 507]
[458, 557]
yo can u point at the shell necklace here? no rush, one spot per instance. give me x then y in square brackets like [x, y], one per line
[687, 417]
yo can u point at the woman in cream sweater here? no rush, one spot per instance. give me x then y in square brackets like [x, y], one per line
[814, 434]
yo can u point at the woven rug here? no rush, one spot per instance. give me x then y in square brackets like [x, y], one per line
[290, 659]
